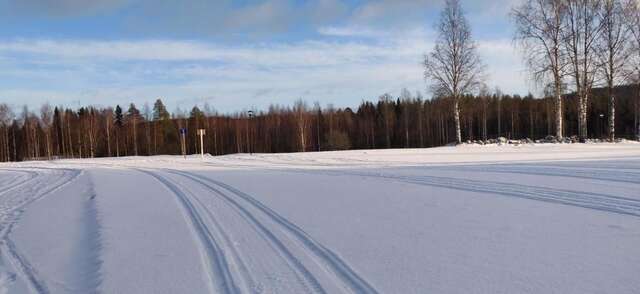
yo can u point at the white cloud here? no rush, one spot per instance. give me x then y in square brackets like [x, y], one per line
[230, 77]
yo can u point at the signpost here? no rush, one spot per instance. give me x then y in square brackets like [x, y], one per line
[249, 136]
[201, 133]
[183, 133]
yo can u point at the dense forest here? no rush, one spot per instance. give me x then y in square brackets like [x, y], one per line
[408, 121]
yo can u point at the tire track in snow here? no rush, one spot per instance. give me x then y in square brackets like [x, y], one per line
[217, 267]
[596, 201]
[304, 275]
[8, 248]
[328, 259]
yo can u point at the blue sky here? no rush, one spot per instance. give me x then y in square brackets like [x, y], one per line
[233, 55]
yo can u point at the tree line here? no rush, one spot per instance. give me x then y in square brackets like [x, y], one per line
[406, 121]
[578, 45]
[568, 45]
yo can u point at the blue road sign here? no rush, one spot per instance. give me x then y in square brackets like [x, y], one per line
[183, 131]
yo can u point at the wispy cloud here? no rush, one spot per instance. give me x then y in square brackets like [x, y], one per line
[233, 76]
[333, 51]
[62, 8]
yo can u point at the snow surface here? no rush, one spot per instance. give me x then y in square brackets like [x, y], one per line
[553, 218]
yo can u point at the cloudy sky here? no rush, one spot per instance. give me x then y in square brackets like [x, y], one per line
[234, 55]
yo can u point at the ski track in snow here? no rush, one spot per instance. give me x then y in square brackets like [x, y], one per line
[216, 264]
[222, 219]
[225, 259]
[303, 274]
[545, 170]
[339, 269]
[596, 201]
[30, 175]
[306, 279]
[12, 207]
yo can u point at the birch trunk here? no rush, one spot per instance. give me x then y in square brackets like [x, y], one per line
[456, 117]
[558, 99]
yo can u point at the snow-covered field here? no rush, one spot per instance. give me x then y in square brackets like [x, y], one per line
[467, 219]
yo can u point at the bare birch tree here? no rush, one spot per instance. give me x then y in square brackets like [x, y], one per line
[148, 117]
[484, 96]
[581, 32]
[454, 67]
[420, 114]
[498, 94]
[405, 97]
[613, 52]
[388, 117]
[6, 117]
[539, 26]
[46, 117]
[301, 111]
[108, 115]
[632, 15]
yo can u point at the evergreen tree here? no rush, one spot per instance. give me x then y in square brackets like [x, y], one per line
[160, 111]
[196, 113]
[117, 117]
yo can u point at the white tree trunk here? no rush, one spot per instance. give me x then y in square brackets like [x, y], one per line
[456, 117]
[612, 117]
[583, 117]
[559, 126]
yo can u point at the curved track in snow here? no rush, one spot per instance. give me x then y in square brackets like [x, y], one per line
[339, 270]
[228, 273]
[315, 268]
[216, 264]
[12, 206]
[30, 175]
